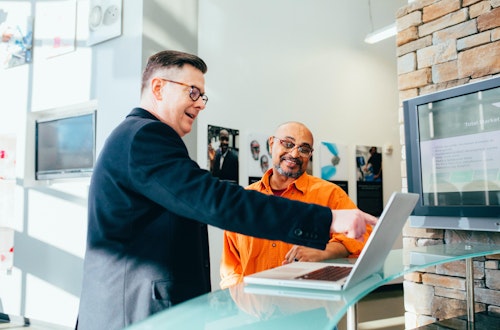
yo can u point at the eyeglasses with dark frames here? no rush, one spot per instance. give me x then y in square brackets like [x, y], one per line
[194, 92]
[304, 150]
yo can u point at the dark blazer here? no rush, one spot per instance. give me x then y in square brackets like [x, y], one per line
[229, 170]
[149, 206]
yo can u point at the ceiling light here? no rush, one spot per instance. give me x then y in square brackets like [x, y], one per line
[381, 34]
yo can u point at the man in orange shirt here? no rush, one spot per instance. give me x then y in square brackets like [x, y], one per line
[291, 148]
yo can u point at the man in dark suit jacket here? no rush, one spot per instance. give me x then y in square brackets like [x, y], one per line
[150, 204]
[224, 161]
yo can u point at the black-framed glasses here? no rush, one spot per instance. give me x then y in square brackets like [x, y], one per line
[304, 149]
[194, 92]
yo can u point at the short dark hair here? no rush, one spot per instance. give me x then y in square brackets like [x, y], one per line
[170, 58]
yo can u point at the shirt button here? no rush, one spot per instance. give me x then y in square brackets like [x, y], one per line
[274, 244]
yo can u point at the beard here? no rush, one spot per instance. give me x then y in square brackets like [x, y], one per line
[290, 174]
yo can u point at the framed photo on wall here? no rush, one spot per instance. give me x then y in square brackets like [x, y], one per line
[333, 161]
[16, 31]
[223, 153]
[369, 179]
[56, 27]
[259, 156]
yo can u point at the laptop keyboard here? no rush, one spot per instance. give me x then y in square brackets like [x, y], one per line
[328, 273]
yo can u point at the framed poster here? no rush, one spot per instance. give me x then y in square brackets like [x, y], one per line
[333, 161]
[369, 179]
[16, 30]
[369, 163]
[259, 156]
[223, 153]
[7, 179]
[56, 27]
[334, 165]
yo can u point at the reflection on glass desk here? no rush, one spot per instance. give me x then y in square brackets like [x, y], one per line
[17, 322]
[267, 307]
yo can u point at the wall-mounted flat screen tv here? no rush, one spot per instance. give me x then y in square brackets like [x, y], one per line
[452, 140]
[65, 146]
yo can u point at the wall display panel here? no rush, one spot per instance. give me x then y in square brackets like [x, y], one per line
[61, 143]
[453, 156]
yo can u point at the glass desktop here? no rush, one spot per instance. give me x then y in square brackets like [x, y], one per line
[266, 307]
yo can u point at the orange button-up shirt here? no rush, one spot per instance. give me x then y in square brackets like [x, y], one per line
[244, 255]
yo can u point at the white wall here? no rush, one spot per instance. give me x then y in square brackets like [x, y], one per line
[50, 222]
[172, 24]
[269, 62]
[275, 61]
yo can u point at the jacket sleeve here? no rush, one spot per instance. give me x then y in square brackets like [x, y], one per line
[161, 169]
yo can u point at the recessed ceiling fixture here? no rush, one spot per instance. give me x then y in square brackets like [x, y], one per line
[380, 34]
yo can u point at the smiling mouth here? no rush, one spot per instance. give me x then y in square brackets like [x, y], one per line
[292, 161]
[190, 115]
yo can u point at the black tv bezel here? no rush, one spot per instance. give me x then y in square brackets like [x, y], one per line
[466, 213]
[70, 173]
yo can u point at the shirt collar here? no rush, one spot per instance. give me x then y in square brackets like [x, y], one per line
[300, 183]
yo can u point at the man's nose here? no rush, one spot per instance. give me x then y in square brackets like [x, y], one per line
[295, 152]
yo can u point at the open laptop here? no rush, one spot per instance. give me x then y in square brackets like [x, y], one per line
[371, 260]
[304, 293]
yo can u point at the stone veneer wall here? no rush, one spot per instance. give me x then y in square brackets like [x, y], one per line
[442, 44]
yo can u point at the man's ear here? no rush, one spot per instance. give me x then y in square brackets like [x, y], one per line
[271, 142]
[156, 88]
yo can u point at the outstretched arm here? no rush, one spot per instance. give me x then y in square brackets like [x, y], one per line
[351, 223]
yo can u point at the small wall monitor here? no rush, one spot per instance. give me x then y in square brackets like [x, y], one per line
[64, 142]
[452, 140]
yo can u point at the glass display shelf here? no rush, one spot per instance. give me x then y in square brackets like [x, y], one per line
[247, 306]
